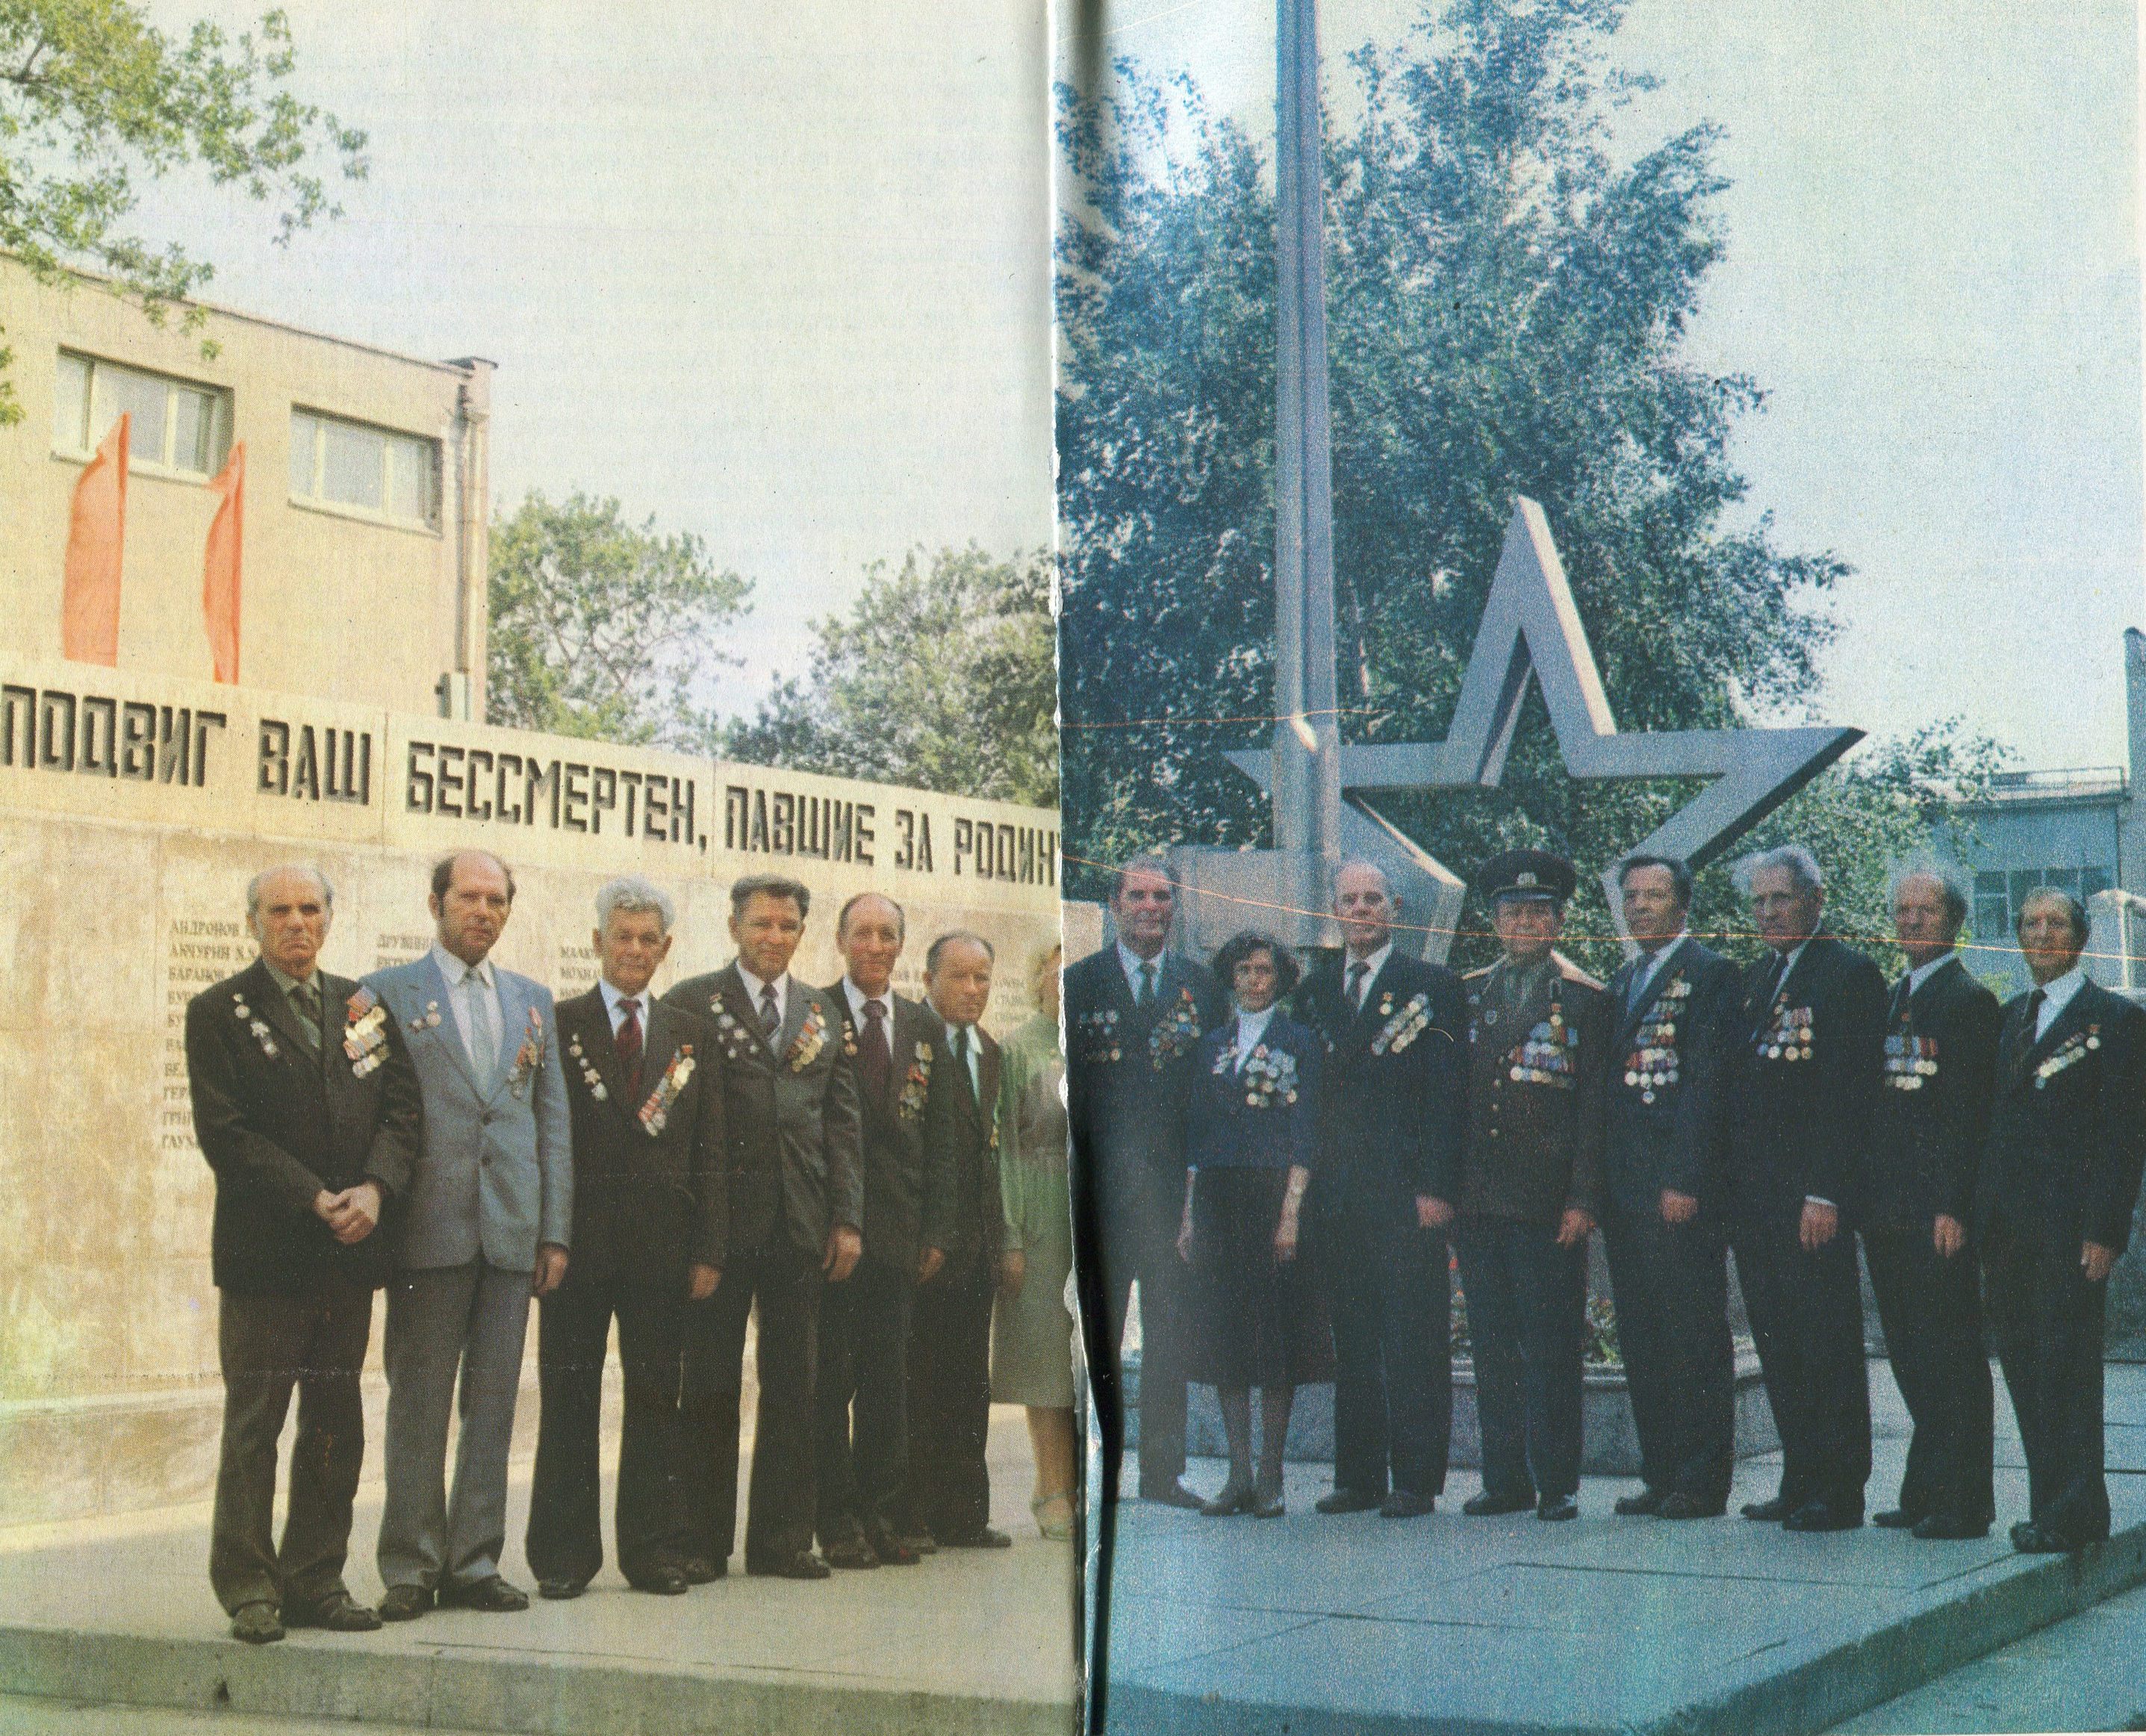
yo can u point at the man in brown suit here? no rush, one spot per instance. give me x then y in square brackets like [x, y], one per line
[1538, 1043]
[649, 1226]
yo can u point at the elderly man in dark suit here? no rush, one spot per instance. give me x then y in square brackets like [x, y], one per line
[1393, 1120]
[1662, 1198]
[791, 1135]
[906, 1089]
[1135, 1014]
[307, 1108]
[649, 1228]
[1927, 1133]
[2059, 1181]
[949, 1344]
[1803, 1076]
[1537, 1044]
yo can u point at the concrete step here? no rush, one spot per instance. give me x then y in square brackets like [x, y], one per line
[22, 1715]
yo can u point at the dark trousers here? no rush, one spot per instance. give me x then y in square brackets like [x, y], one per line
[2048, 1322]
[1527, 1317]
[949, 1402]
[1391, 1294]
[861, 1401]
[1670, 1282]
[1931, 1309]
[786, 1284]
[1138, 1243]
[565, 1536]
[267, 1344]
[1806, 1311]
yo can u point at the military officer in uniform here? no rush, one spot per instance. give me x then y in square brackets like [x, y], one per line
[1537, 1043]
[1393, 1115]
[1135, 1014]
[2060, 1180]
[1926, 1132]
[1662, 1198]
[1803, 1076]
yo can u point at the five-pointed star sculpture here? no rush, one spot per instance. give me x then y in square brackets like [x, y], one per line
[1530, 628]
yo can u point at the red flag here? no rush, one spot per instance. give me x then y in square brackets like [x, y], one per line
[220, 565]
[89, 617]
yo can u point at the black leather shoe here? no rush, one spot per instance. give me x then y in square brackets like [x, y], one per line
[1770, 1513]
[338, 1613]
[982, 1538]
[1345, 1500]
[1399, 1505]
[1267, 1502]
[255, 1624]
[1230, 1499]
[405, 1603]
[919, 1542]
[2029, 1539]
[849, 1552]
[1897, 1518]
[891, 1550]
[1648, 1500]
[1823, 1515]
[802, 1565]
[700, 1570]
[1555, 1508]
[560, 1591]
[1679, 1505]
[665, 1581]
[1488, 1505]
[1172, 1494]
[494, 1596]
[1948, 1526]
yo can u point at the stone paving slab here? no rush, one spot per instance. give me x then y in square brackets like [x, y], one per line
[119, 1611]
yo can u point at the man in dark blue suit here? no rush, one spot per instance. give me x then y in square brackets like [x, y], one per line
[1392, 1124]
[1661, 1185]
[2059, 1179]
[1135, 1014]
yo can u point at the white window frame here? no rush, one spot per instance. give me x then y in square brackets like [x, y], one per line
[369, 514]
[136, 465]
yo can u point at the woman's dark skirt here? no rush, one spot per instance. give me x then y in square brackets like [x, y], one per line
[1257, 1322]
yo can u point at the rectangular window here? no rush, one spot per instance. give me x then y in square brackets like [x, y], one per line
[177, 425]
[368, 469]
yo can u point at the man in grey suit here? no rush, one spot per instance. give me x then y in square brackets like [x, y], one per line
[486, 1228]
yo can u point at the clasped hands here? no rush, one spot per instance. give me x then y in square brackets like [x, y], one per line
[352, 1214]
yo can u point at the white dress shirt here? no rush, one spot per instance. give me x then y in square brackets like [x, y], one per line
[1374, 963]
[482, 989]
[1132, 964]
[1651, 963]
[754, 985]
[614, 1000]
[1923, 973]
[1251, 1028]
[974, 1056]
[857, 998]
[2057, 993]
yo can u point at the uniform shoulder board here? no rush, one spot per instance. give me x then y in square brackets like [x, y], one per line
[1572, 972]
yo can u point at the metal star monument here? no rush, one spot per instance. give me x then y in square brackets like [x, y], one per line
[1321, 790]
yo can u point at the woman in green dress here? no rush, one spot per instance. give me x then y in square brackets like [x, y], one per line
[1032, 1332]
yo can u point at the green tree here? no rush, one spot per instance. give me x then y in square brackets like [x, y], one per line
[941, 677]
[1508, 305]
[604, 629]
[94, 101]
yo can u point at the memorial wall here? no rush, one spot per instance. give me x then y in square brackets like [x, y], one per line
[133, 811]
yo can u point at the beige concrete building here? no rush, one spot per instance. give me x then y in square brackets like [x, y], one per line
[367, 496]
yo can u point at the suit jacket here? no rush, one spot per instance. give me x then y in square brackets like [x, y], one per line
[2068, 1129]
[496, 1175]
[1801, 1089]
[648, 1189]
[1127, 1071]
[1534, 1099]
[1931, 1119]
[978, 1218]
[1394, 1099]
[792, 1128]
[908, 1137]
[278, 1126]
[1281, 1130]
[1665, 1090]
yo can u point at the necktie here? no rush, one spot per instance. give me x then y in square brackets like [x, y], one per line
[1775, 976]
[874, 1056]
[1901, 995]
[961, 1057]
[628, 1040]
[1357, 972]
[2035, 1004]
[1643, 971]
[1147, 983]
[306, 1004]
[483, 1040]
[770, 1015]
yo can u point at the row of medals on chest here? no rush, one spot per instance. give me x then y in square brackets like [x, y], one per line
[1545, 1057]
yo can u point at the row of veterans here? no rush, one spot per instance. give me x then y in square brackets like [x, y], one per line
[866, 1173]
[1690, 1108]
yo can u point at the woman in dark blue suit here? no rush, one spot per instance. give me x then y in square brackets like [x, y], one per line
[1250, 1132]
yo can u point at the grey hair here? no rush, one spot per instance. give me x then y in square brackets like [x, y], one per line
[1040, 965]
[254, 886]
[1386, 881]
[954, 937]
[632, 896]
[1802, 865]
[1952, 883]
[2082, 925]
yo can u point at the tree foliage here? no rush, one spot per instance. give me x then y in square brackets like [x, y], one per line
[95, 100]
[1507, 306]
[604, 629]
[941, 677]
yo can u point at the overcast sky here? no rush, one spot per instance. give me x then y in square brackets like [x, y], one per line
[780, 277]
